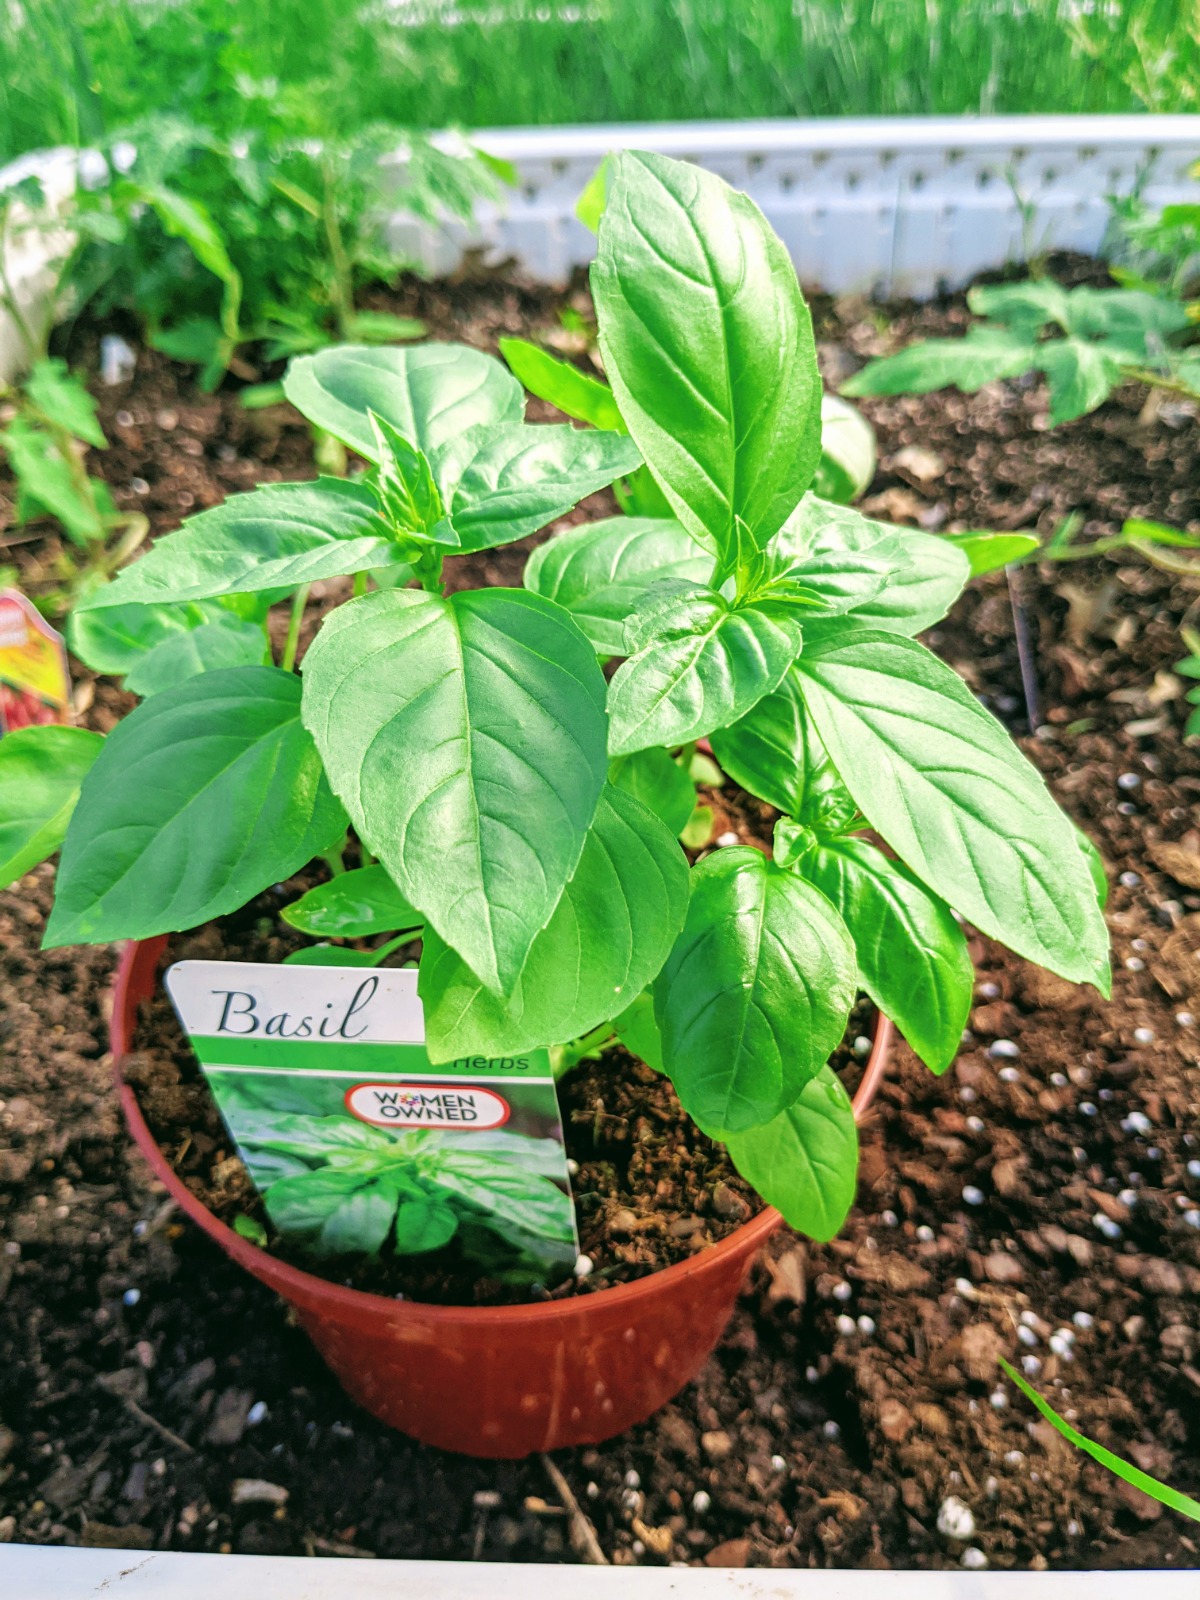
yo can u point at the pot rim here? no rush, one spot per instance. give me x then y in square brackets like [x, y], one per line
[285, 1277]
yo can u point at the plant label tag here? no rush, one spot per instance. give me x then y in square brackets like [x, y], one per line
[35, 680]
[358, 1144]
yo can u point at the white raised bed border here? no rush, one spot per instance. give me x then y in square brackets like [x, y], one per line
[29, 1572]
[890, 205]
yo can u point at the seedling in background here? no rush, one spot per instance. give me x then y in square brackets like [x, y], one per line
[522, 807]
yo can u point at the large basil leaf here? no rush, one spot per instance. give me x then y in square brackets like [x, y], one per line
[354, 905]
[466, 738]
[702, 667]
[755, 994]
[525, 1201]
[563, 385]
[942, 782]
[804, 1162]
[608, 937]
[276, 537]
[708, 345]
[500, 483]
[600, 570]
[912, 955]
[423, 1225]
[224, 642]
[775, 753]
[658, 782]
[839, 557]
[200, 798]
[430, 393]
[41, 770]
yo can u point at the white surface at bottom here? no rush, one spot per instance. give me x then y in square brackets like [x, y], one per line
[32, 1572]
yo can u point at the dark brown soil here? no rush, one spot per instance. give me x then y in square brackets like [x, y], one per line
[1053, 1191]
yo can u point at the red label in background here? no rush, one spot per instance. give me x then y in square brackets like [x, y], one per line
[35, 681]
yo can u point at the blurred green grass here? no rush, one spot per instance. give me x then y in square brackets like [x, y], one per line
[71, 70]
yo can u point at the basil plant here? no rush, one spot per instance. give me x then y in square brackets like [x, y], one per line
[518, 810]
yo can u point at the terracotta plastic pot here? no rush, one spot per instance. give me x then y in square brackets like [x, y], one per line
[492, 1381]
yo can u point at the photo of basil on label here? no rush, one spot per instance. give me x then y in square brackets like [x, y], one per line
[358, 1145]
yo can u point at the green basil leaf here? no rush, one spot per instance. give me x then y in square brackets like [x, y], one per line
[466, 738]
[501, 483]
[986, 352]
[708, 345]
[988, 552]
[638, 1031]
[1095, 864]
[703, 666]
[840, 557]
[405, 485]
[918, 596]
[430, 393]
[312, 1139]
[228, 642]
[278, 536]
[423, 1225]
[64, 401]
[329, 955]
[563, 385]
[1026, 306]
[847, 462]
[912, 955]
[804, 1162]
[1115, 313]
[333, 1211]
[524, 1201]
[755, 994]
[600, 570]
[659, 783]
[354, 905]
[114, 638]
[942, 782]
[200, 798]
[41, 770]
[608, 937]
[774, 752]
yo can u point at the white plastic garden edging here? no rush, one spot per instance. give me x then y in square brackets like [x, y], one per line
[30, 245]
[30, 1572]
[890, 205]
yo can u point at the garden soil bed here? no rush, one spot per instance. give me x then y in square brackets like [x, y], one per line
[144, 1379]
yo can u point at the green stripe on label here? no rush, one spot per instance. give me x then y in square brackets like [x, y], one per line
[332, 1055]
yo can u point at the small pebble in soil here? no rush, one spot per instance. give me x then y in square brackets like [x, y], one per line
[925, 1233]
[592, 1491]
[1009, 1075]
[842, 1291]
[1014, 1458]
[131, 1297]
[1106, 1095]
[862, 1046]
[967, 1095]
[845, 1325]
[1185, 1019]
[1061, 1347]
[701, 1501]
[486, 1499]
[1074, 1529]
[572, 1167]
[966, 1288]
[999, 1399]
[1129, 781]
[139, 486]
[584, 1266]
[1193, 1168]
[1192, 1218]
[989, 991]
[1059, 1080]
[1003, 1050]
[975, 1124]
[831, 1429]
[726, 839]
[955, 1519]
[1027, 1336]
[971, 1195]
[778, 1464]
[1128, 1198]
[1105, 1225]
[633, 1479]
[256, 1414]
[1135, 964]
[974, 1559]
[1087, 1108]
[1136, 1122]
[1143, 1036]
[890, 1219]
[1127, 808]
[1083, 1319]
[811, 1375]
[1130, 880]
[866, 1326]
[1031, 1366]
